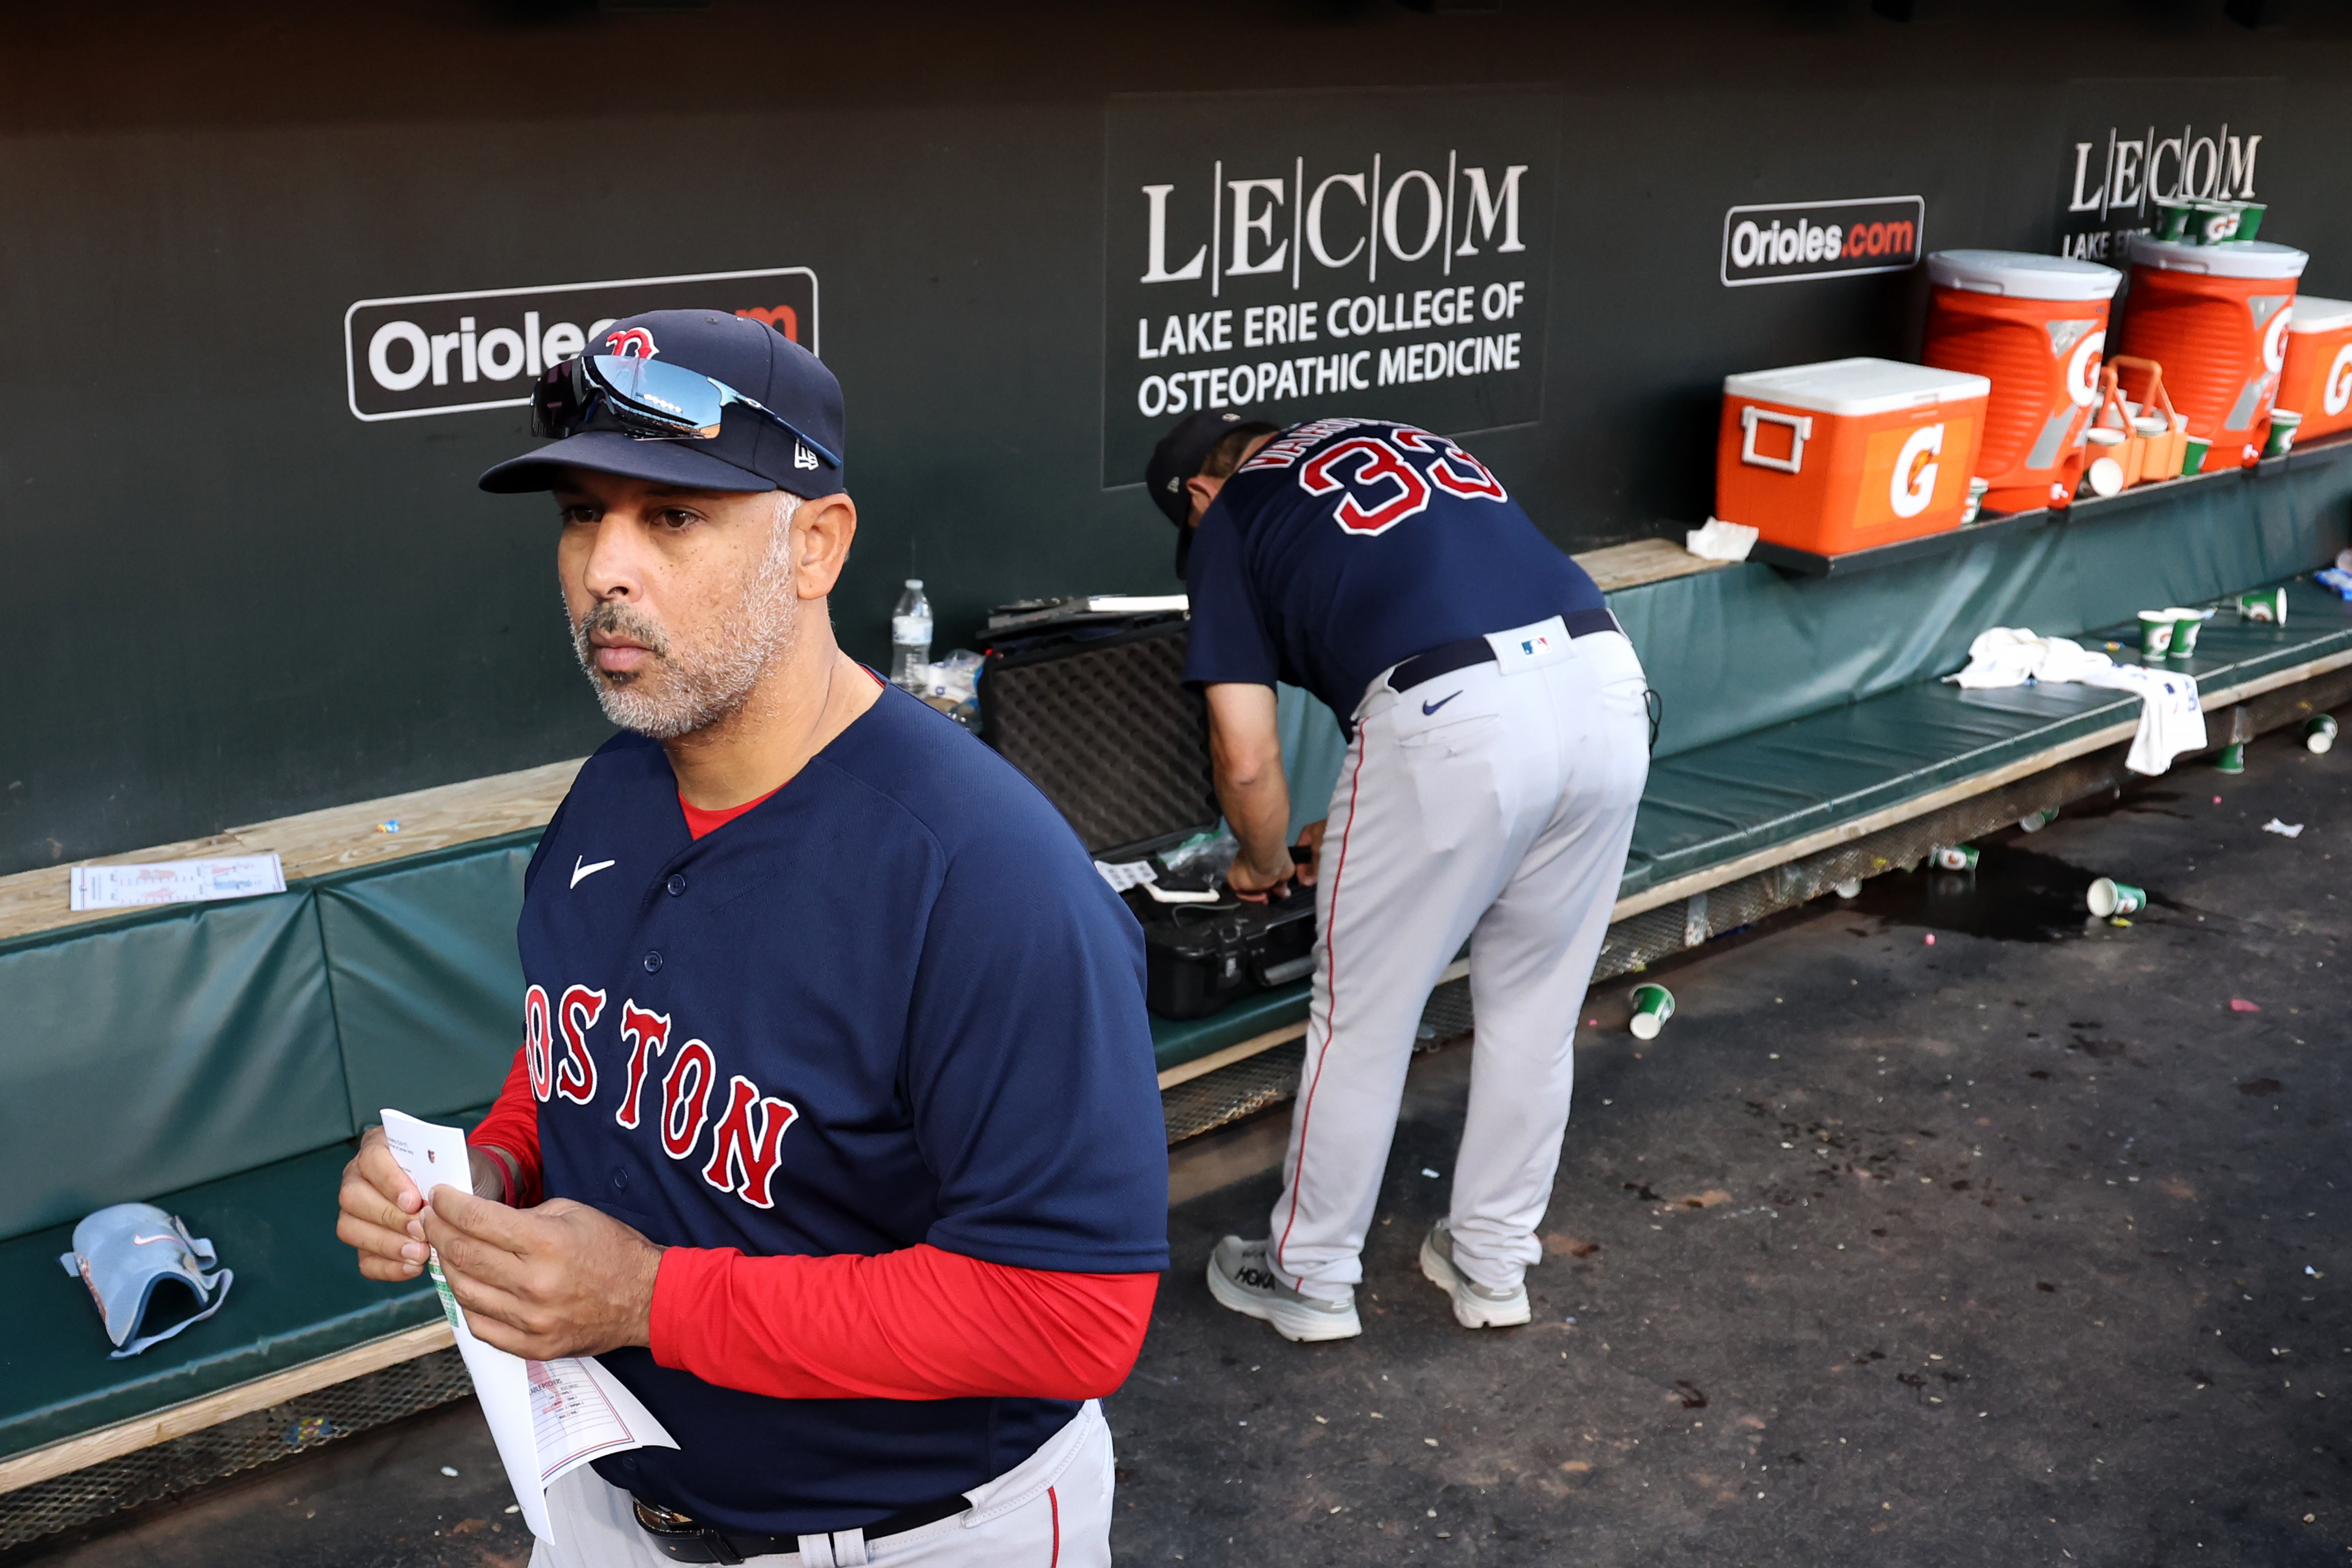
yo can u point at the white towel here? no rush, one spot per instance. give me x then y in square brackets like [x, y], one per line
[2171, 720]
[1720, 541]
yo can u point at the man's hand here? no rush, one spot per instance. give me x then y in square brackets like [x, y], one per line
[1253, 883]
[1311, 838]
[559, 1280]
[381, 1209]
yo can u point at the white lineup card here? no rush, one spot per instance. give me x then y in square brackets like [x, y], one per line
[548, 1418]
[176, 882]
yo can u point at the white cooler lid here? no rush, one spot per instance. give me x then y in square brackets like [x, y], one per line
[2022, 275]
[2230, 259]
[1852, 386]
[2313, 314]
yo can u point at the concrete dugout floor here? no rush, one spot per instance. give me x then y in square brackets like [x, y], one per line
[2019, 1247]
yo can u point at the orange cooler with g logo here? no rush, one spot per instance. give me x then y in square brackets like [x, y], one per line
[2216, 318]
[2317, 380]
[1849, 454]
[2035, 326]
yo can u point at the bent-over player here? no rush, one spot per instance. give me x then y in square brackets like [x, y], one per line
[1498, 740]
[834, 1132]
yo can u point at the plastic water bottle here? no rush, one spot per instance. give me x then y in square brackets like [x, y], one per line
[911, 639]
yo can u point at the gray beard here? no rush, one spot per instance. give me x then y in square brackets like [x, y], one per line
[694, 687]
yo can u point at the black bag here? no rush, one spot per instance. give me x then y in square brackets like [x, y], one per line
[1098, 716]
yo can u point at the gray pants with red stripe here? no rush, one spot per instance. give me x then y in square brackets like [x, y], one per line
[1485, 805]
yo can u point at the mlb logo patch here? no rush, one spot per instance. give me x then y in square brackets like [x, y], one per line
[1531, 647]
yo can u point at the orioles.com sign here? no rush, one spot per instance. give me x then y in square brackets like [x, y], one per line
[1284, 255]
[450, 353]
[1787, 242]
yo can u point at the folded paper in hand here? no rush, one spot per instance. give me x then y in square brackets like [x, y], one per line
[547, 1418]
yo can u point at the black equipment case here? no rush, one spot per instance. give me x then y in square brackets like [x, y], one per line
[1094, 711]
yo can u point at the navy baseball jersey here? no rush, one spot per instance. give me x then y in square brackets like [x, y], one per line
[1345, 545]
[892, 1004]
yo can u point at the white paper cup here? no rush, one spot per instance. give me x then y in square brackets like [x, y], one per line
[2106, 477]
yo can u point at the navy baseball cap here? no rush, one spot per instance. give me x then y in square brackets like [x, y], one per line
[751, 452]
[1178, 458]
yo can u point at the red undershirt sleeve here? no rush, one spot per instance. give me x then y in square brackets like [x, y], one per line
[512, 1128]
[922, 1323]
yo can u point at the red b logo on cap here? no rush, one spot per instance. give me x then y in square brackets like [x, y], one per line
[636, 342]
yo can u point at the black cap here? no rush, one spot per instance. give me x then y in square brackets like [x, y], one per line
[1179, 457]
[751, 453]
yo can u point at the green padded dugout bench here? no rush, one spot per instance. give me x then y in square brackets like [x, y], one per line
[218, 1060]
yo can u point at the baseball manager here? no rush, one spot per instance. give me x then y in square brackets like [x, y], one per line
[834, 1134]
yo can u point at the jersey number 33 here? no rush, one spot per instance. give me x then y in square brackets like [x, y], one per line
[1392, 476]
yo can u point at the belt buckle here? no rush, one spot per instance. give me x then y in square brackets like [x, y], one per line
[679, 1537]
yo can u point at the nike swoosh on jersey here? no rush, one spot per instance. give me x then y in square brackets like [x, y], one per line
[1428, 708]
[581, 872]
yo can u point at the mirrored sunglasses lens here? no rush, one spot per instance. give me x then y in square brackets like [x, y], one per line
[668, 394]
[556, 403]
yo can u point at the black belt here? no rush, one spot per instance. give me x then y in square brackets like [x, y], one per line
[682, 1539]
[1454, 656]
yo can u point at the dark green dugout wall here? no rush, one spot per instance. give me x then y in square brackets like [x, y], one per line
[232, 599]
[171, 1047]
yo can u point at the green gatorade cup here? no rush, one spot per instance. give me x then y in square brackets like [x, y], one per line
[2108, 898]
[1652, 1005]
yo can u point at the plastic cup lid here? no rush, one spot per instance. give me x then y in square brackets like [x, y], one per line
[2022, 275]
[2104, 435]
[2230, 259]
[1645, 1025]
[2106, 477]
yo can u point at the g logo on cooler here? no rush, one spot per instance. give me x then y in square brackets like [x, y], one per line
[1913, 485]
[2335, 392]
[2274, 340]
[2082, 371]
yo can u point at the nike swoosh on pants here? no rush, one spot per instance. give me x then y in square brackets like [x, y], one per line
[1428, 708]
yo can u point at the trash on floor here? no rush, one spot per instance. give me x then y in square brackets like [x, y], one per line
[2108, 897]
[2283, 829]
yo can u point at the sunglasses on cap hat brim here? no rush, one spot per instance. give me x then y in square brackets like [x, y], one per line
[647, 399]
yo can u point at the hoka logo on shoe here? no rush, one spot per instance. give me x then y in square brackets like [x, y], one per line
[1256, 1278]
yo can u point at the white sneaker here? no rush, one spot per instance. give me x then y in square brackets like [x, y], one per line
[1241, 1278]
[1475, 1306]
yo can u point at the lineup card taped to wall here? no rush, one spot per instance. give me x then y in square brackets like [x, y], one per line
[176, 882]
[547, 1418]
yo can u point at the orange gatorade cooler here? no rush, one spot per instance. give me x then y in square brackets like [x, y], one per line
[2035, 326]
[1848, 454]
[2316, 380]
[2215, 317]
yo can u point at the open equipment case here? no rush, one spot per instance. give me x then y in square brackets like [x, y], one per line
[1094, 709]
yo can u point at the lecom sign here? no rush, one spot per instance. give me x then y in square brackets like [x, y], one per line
[452, 353]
